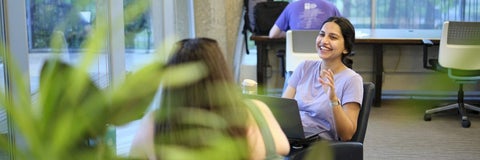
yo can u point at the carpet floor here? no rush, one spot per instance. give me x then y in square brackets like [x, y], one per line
[396, 130]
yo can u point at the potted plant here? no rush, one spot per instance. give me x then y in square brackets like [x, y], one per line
[71, 115]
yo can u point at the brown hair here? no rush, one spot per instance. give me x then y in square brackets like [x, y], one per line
[209, 107]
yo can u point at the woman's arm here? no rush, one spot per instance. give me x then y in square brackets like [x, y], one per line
[289, 92]
[346, 119]
[345, 116]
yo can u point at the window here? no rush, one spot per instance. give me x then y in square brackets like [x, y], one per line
[61, 28]
[73, 21]
[408, 14]
[138, 31]
[50, 18]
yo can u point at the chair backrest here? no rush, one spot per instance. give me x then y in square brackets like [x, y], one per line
[460, 45]
[362, 122]
[300, 46]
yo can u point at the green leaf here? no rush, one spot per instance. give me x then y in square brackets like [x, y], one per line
[183, 74]
[130, 100]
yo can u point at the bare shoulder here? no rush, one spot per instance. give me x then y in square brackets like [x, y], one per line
[281, 141]
[260, 105]
[264, 110]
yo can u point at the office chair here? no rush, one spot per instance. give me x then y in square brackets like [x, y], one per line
[458, 56]
[353, 149]
[300, 46]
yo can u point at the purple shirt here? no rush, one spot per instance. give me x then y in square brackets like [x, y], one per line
[306, 15]
[314, 103]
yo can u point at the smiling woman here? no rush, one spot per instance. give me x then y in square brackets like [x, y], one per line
[329, 93]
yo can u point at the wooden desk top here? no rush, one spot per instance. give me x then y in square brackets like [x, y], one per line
[379, 36]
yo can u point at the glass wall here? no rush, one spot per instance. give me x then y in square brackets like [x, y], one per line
[408, 14]
[74, 20]
[139, 39]
[65, 18]
[138, 29]
[61, 29]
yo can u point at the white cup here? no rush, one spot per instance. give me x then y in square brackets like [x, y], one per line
[249, 86]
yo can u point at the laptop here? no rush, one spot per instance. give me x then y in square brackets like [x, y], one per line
[287, 114]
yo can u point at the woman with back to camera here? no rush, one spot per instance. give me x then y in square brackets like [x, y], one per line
[328, 92]
[199, 115]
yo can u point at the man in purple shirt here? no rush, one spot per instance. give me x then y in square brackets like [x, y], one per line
[303, 15]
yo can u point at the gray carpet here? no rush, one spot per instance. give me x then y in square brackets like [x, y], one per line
[396, 130]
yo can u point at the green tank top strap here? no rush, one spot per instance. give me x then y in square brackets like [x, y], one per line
[265, 131]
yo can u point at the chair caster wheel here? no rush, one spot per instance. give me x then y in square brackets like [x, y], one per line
[427, 117]
[465, 123]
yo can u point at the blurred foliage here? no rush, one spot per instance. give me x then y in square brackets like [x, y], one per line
[72, 115]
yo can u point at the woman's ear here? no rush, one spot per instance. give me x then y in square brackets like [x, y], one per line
[345, 52]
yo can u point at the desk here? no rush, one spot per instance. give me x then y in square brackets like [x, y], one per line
[376, 37]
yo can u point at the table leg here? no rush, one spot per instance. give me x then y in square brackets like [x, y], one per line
[261, 70]
[378, 73]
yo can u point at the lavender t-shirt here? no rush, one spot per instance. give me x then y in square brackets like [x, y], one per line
[314, 103]
[306, 15]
